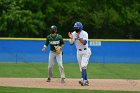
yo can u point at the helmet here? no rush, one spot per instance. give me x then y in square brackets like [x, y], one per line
[53, 29]
[78, 25]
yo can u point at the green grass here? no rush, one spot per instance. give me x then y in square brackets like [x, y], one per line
[41, 90]
[96, 71]
[39, 70]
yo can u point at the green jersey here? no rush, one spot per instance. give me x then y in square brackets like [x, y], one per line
[54, 41]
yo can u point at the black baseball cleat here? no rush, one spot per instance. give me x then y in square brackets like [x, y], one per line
[80, 82]
[48, 80]
[62, 80]
[84, 83]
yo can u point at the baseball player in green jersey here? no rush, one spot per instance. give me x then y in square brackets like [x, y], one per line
[56, 44]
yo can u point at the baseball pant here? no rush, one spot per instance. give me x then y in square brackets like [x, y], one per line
[55, 58]
[83, 58]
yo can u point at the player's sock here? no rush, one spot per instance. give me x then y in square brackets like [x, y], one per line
[84, 74]
[81, 76]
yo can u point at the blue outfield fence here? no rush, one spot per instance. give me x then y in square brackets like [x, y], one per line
[103, 51]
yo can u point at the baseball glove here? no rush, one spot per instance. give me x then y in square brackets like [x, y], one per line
[58, 49]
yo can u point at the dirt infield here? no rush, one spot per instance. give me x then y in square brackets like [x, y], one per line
[95, 84]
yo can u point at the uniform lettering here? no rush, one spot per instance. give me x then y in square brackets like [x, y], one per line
[54, 42]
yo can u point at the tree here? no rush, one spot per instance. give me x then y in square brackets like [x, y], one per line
[101, 18]
[18, 22]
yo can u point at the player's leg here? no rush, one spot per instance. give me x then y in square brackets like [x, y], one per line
[79, 58]
[51, 62]
[61, 68]
[84, 73]
[84, 63]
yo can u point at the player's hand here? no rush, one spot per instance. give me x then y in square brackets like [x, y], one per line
[77, 35]
[43, 49]
[70, 35]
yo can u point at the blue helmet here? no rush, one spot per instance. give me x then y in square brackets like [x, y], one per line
[78, 25]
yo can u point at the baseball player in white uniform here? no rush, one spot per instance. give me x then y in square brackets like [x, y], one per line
[80, 38]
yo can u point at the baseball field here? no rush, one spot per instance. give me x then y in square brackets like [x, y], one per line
[104, 78]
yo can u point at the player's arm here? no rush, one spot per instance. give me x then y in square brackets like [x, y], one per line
[71, 40]
[62, 46]
[84, 39]
[45, 45]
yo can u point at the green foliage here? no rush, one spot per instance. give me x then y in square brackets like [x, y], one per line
[101, 18]
[18, 22]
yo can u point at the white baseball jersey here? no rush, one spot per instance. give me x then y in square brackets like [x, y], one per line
[83, 52]
[84, 35]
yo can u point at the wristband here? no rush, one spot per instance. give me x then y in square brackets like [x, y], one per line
[44, 46]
